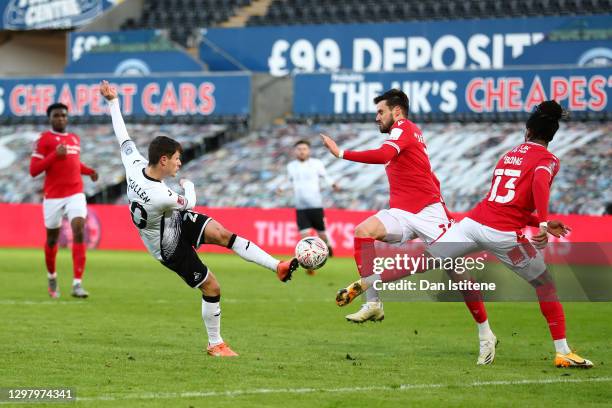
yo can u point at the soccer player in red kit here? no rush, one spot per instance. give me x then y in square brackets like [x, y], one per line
[57, 153]
[416, 205]
[521, 185]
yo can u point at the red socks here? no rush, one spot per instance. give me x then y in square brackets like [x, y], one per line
[552, 310]
[364, 254]
[50, 254]
[474, 303]
[78, 259]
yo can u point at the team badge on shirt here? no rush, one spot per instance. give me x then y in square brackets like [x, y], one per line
[395, 133]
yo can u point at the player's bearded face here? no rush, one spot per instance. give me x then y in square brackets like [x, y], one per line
[384, 117]
[302, 152]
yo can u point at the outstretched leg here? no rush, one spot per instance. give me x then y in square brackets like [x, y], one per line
[215, 233]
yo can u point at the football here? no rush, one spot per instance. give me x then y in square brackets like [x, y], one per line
[311, 252]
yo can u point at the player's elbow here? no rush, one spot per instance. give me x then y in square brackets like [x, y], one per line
[388, 155]
[34, 171]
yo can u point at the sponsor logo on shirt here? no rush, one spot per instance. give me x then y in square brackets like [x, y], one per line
[395, 133]
[180, 200]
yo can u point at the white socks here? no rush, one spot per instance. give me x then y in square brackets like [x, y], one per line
[51, 275]
[76, 282]
[248, 251]
[562, 347]
[211, 314]
[372, 295]
[484, 330]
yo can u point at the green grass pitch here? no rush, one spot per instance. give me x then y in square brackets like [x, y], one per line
[139, 341]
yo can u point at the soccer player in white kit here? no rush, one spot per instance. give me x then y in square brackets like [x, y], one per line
[305, 174]
[171, 232]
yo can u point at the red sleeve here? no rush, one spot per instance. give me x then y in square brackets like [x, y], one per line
[381, 155]
[533, 221]
[540, 188]
[88, 171]
[38, 165]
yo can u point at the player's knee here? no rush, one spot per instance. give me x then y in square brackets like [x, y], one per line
[211, 286]
[225, 236]
[362, 231]
[78, 236]
[221, 236]
[544, 279]
[217, 234]
[52, 237]
[78, 226]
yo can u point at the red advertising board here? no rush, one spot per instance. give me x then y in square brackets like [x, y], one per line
[275, 230]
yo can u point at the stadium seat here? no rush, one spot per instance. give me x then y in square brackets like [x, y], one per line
[354, 11]
[180, 16]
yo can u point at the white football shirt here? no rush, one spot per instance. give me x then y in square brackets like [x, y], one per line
[305, 177]
[153, 205]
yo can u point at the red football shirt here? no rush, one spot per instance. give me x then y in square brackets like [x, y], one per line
[510, 202]
[412, 184]
[62, 174]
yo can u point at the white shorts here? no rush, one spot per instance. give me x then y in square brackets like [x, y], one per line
[402, 226]
[55, 208]
[468, 236]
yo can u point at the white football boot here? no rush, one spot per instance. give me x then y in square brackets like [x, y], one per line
[487, 350]
[369, 311]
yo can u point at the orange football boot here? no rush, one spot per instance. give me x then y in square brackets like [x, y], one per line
[285, 269]
[220, 350]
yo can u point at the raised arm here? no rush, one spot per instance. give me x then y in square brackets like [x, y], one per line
[118, 124]
[129, 153]
[110, 94]
[381, 155]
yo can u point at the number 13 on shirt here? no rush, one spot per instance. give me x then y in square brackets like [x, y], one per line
[509, 176]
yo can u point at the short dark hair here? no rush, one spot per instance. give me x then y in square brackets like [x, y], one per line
[395, 97]
[57, 105]
[163, 146]
[302, 141]
[544, 121]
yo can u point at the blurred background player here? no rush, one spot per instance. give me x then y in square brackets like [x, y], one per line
[520, 185]
[305, 174]
[57, 154]
[416, 208]
[171, 232]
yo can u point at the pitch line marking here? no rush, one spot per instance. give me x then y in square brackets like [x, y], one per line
[39, 302]
[402, 387]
